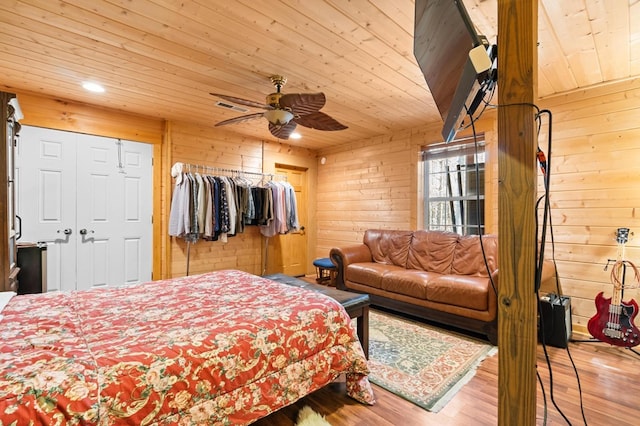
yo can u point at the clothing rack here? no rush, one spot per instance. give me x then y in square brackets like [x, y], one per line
[213, 170]
[188, 168]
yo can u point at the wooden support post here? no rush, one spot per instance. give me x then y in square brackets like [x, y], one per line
[517, 142]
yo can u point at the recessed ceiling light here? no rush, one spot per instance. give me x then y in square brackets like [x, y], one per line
[93, 87]
[295, 135]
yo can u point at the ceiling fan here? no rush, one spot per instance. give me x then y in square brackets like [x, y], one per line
[285, 111]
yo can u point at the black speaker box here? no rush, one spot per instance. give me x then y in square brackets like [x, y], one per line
[554, 321]
[32, 260]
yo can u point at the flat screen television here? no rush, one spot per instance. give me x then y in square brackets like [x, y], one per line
[455, 60]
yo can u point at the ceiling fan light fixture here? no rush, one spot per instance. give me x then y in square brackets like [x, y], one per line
[278, 117]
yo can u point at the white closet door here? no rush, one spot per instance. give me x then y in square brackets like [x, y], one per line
[46, 169]
[114, 212]
[112, 205]
[137, 211]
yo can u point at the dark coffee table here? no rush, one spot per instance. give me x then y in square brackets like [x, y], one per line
[356, 304]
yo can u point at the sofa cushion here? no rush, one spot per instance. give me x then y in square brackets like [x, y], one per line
[460, 290]
[468, 258]
[388, 247]
[369, 273]
[432, 251]
[409, 282]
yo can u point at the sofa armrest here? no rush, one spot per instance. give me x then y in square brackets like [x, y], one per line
[494, 279]
[344, 256]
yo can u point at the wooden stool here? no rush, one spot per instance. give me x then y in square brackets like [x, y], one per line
[325, 270]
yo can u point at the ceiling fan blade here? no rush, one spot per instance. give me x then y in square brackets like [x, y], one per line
[303, 103]
[240, 119]
[320, 121]
[284, 131]
[243, 101]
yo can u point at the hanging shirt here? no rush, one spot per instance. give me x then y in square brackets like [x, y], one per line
[179, 223]
[208, 216]
[201, 203]
[292, 214]
[268, 228]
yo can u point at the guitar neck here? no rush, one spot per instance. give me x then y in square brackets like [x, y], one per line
[617, 274]
[616, 297]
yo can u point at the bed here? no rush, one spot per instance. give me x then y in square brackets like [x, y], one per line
[220, 348]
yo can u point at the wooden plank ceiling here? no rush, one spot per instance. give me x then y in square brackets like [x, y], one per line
[162, 58]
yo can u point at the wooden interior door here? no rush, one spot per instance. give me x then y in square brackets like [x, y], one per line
[287, 253]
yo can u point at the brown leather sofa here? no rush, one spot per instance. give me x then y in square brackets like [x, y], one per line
[439, 276]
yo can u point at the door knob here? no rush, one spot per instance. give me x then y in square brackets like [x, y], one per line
[66, 231]
[83, 231]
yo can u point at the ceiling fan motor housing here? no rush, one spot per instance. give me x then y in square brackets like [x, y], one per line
[273, 99]
[278, 116]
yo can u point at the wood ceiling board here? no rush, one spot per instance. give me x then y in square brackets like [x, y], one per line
[161, 58]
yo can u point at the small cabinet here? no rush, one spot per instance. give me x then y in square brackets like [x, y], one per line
[10, 230]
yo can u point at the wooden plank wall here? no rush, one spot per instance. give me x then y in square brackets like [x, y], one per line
[374, 184]
[82, 118]
[595, 186]
[363, 185]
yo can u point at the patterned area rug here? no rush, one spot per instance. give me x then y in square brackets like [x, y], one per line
[420, 363]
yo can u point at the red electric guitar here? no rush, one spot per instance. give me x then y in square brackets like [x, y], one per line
[613, 321]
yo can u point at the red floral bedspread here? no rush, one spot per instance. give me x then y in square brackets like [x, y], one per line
[223, 348]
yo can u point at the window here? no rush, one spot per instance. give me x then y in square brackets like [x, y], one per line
[454, 187]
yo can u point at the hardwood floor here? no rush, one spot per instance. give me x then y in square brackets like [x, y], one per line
[609, 378]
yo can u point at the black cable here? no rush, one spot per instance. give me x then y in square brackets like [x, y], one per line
[544, 398]
[475, 139]
[478, 218]
[540, 253]
[488, 88]
[547, 210]
[547, 217]
[575, 369]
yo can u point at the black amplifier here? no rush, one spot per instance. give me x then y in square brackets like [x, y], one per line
[554, 320]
